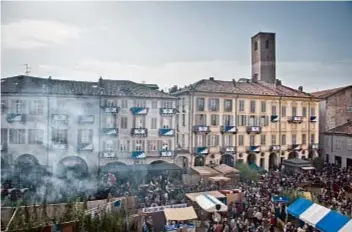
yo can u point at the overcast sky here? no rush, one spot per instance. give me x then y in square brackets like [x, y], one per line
[179, 43]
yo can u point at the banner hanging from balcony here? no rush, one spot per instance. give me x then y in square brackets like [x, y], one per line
[296, 119]
[314, 146]
[274, 118]
[166, 153]
[111, 109]
[166, 132]
[201, 151]
[138, 155]
[229, 129]
[275, 148]
[85, 147]
[254, 148]
[229, 149]
[254, 129]
[142, 132]
[139, 110]
[296, 147]
[15, 118]
[313, 118]
[201, 129]
[110, 131]
[167, 111]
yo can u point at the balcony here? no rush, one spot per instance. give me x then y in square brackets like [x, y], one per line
[108, 155]
[138, 155]
[228, 149]
[139, 110]
[295, 147]
[141, 132]
[85, 147]
[275, 148]
[86, 119]
[255, 149]
[111, 109]
[60, 119]
[295, 119]
[59, 146]
[254, 129]
[16, 118]
[201, 150]
[110, 131]
[313, 118]
[166, 132]
[4, 147]
[201, 129]
[167, 111]
[228, 129]
[274, 118]
[314, 146]
[166, 153]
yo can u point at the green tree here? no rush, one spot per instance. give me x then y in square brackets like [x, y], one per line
[246, 173]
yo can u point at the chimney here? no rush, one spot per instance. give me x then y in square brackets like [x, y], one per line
[100, 82]
[211, 78]
[234, 82]
[300, 88]
[278, 82]
[255, 78]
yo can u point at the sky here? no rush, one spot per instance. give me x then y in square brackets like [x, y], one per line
[176, 43]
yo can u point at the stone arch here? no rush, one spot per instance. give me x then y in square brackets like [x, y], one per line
[182, 161]
[27, 160]
[251, 159]
[72, 166]
[293, 155]
[199, 161]
[228, 160]
[114, 167]
[157, 162]
[273, 160]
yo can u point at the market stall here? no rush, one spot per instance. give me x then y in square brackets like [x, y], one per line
[319, 217]
[229, 172]
[197, 173]
[216, 194]
[210, 204]
[182, 217]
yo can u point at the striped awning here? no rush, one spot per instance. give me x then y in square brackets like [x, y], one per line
[320, 217]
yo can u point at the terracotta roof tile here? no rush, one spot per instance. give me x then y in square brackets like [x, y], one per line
[246, 86]
[37, 85]
[343, 129]
[328, 92]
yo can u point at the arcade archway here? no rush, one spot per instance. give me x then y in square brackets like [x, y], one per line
[228, 160]
[273, 161]
[182, 161]
[27, 170]
[199, 161]
[251, 159]
[293, 155]
[72, 167]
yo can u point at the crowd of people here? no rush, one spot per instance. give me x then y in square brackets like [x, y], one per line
[257, 212]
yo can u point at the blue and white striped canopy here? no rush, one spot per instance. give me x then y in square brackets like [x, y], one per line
[319, 216]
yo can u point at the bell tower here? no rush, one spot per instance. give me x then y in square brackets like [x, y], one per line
[263, 57]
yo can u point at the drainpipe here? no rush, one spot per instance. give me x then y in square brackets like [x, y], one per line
[280, 142]
[235, 122]
[309, 135]
[190, 126]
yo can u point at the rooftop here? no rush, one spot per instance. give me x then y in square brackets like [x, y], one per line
[329, 92]
[345, 129]
[243, 86]
[38, 85]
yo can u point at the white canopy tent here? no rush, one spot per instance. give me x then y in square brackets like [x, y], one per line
[347, 227]
[208, 203]
[314, 214]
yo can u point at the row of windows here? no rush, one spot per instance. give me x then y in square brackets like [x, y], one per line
[60, 136]
[139, 122]
[254, 140]
[214, 105]
[36, 107]
[137, 145]
[228, 120]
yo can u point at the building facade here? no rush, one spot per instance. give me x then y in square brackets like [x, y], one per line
[68, 123]
[335, 110]
[256, 121]
[338, 145]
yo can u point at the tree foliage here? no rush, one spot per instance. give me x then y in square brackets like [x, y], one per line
[246, 173]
